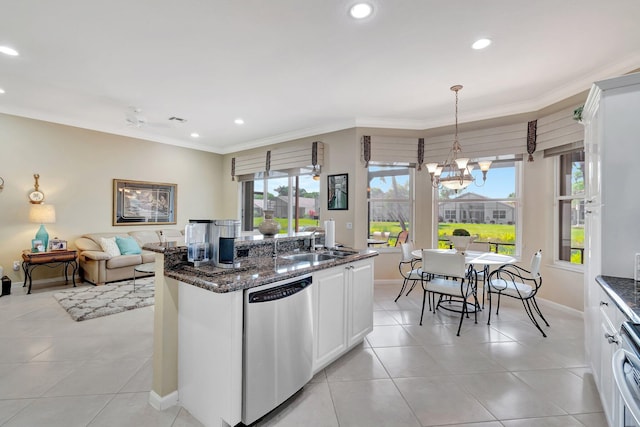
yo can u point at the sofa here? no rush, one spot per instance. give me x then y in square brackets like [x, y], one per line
[98, 266]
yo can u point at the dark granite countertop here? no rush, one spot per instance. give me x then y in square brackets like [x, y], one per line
[252, 272]
[624, 293]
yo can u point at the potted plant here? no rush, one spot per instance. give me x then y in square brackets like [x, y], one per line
[460, 239]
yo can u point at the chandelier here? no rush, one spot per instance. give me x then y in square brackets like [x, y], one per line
[455, 172]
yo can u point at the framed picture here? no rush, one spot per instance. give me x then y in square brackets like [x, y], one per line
[37, 245]
[57, 245]
[338, 192]
[143, 203]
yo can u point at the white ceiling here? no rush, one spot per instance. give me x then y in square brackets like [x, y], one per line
[294, 68]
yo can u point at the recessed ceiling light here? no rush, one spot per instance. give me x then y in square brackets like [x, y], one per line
[195, 135]
[361, 10]
[238, 121]
[8, 51]
[481, 44]
[1, 90]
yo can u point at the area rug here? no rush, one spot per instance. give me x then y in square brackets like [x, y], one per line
[96, 301]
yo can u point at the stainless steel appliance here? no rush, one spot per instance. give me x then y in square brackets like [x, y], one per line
[223, 235]
[278, 341]
[626, 373]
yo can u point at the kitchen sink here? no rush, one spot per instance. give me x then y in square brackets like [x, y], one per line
[338, 253]
[311, 257]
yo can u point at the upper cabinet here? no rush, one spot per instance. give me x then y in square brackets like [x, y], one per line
[612, 145]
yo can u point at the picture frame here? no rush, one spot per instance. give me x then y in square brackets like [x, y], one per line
[57, 245]
[338, 192]
[37, 245]
[144, 203]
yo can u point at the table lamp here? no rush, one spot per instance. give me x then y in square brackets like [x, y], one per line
[43, 214]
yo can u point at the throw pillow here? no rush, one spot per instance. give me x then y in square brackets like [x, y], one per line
[128, 246]
[108, 245]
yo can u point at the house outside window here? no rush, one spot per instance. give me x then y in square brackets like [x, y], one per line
[490, 212]
[293, 210]
[391, 203]
[570, 208]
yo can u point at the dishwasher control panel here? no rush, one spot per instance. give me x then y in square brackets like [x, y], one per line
[279, 292]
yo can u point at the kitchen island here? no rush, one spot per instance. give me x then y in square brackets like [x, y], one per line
[199, 314]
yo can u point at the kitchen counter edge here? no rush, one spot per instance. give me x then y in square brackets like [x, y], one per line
[252, 273]
[623, 293]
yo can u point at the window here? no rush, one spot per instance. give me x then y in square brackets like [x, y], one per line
[390, 198]
[294, 210]
[490, 211]
[570, 207]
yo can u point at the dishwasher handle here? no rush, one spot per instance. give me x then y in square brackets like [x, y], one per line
[624, 363]
[279, 292]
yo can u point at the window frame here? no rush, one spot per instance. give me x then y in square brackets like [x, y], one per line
[558, 198]
[291, 182]
[517, 201]
[411, 201]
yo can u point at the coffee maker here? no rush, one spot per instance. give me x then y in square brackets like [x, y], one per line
[223, 235]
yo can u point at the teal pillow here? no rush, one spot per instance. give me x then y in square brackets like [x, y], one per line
[128, 246]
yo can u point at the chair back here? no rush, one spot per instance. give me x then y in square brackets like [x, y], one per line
[443, 263]
[536, 259]
[407, 248]
[403, 236]
[479, 246]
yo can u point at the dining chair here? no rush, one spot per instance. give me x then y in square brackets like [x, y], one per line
[403, 237]
[516, 282]
[409, 268]
[445, 274]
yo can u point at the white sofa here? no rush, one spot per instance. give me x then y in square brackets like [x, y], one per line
[98, 267]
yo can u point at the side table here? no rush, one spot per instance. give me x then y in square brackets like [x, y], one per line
[51, 259]
[149, 267]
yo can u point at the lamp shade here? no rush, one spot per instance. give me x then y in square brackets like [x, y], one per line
[42, 214]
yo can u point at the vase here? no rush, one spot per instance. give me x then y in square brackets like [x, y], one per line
[461, 243]
[269, 227]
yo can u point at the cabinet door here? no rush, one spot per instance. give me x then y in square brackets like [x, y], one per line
[360, 300]
[608, 390]
[330, 298]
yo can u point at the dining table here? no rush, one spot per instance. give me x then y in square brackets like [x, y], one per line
[481, 262]
[473, 257]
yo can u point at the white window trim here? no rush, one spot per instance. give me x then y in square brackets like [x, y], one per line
[557, 262]
[412, 211]
[518, 204]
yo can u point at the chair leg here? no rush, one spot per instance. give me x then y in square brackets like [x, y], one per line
[424, 296]
[412, 286]
[489, 299]
[535, 305]
[528, 309]
[464, 310]
[404, 285]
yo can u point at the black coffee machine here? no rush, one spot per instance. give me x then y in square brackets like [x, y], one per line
[223, 235]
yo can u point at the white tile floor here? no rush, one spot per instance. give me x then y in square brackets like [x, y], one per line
[58, 372]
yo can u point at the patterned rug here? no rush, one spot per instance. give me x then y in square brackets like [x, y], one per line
[96, 301]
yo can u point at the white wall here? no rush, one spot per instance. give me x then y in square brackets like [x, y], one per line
[77, 168]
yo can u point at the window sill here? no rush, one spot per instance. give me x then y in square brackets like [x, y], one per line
[561, 265]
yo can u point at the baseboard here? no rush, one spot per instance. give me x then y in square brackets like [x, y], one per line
[560, 307]
[162, 403]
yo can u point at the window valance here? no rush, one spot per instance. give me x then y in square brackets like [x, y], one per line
[304, 155]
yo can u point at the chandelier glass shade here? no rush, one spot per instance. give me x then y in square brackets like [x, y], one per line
[455, 172]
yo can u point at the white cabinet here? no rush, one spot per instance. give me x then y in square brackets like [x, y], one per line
[360, 286]
[329, 315]
[343, 310]
[608, 337]
[612, 236]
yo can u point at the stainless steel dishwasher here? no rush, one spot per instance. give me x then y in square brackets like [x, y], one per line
[278, 344]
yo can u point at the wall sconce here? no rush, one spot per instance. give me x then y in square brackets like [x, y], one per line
[1, 184]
